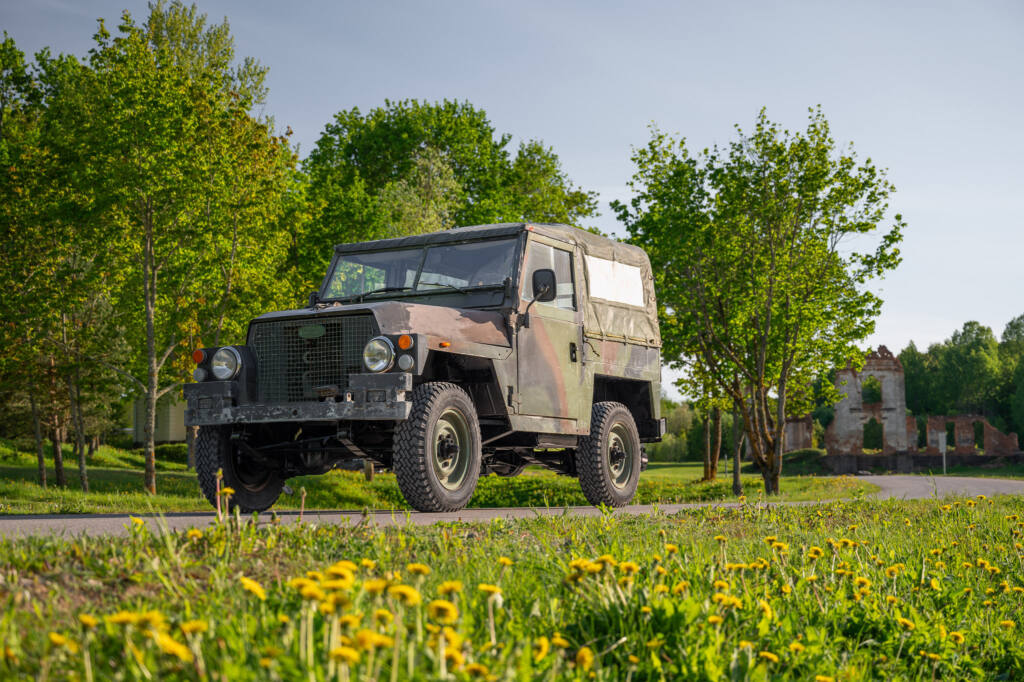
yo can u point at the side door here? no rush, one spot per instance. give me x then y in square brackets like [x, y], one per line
[549, 355]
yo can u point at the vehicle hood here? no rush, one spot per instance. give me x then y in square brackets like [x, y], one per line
[398, 317]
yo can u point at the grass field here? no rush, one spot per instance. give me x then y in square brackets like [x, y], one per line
[846, 591]
[115, 478]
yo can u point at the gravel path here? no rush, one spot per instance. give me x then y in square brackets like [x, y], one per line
[898, 487]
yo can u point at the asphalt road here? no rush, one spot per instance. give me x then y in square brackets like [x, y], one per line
[905, 487]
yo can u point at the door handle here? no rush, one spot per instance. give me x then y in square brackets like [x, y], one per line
[572, 352]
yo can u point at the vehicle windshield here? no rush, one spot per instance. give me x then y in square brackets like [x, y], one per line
[441, 268]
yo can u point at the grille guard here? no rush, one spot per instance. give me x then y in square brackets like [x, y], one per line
[368, 397]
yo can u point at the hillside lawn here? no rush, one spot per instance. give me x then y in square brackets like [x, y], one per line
[909, 590]
[115, 479]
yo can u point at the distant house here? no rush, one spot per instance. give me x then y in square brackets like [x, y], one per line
[170, 420]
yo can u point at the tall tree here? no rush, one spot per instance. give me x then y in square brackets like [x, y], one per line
[412, 166]
[179, 188]
[758, 285]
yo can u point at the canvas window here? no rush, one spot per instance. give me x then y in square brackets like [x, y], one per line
[541, 256]
[615, 282]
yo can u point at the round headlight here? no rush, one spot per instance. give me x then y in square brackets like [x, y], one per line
[405, 362]
[226, 363]
[199, 374]
[378, 354]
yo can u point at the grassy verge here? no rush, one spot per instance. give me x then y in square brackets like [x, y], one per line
[120, 490]
[850, 591]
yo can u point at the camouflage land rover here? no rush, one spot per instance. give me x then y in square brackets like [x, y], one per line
[444, 356]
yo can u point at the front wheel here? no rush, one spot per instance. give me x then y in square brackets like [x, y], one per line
[437, 450]
[608, 460]
[256, 487]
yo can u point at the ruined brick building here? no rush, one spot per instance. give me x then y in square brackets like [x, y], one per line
[845, 435]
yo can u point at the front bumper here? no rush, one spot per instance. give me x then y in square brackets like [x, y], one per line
[367, 397]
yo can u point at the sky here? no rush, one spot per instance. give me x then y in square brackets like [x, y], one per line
[934, 92]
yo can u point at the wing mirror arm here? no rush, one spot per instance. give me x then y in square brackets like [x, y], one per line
[524, 319]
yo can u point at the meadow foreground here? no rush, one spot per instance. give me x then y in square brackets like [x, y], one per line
[861, 590]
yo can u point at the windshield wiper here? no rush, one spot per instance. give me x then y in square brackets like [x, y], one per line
[442, 284]
[382, 290]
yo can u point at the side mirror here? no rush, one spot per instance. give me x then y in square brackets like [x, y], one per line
[314, 298]
[544, 285]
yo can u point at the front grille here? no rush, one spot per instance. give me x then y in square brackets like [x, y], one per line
[294, 356]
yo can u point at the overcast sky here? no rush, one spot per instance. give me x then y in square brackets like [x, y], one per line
[932, 91]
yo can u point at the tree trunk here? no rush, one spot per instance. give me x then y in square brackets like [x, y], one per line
[152, 375]
[737, 486]
[58, 454]
[38, 432]
[716, 448]
[76, 420]
[707, 449]
[775, 461]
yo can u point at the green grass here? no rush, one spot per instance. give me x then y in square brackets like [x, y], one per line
[917, 590]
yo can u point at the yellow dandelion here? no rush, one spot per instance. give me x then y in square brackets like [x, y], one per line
[646, 610]
[815, 553]
[768, 540]
[861, 582]
[343, 568]
[633, 659]
[477, 670]
[489, 589]
[629, 567]
[824, 678]
[585, 658]
[368, 639]
[266, 662]
[345, 654]
[283, 619]
[905, 624]
[889, 599]
[418, 569]
[88, 620]
[744, 644]
[934, 584]
[765, 607]
[58, 639]
[680, 587]
[375, 586]
[191, 627]
[227, 491]
[661, 589]
[720, 538]
[383, 616]
[721, 585]
[768, 656]
[454, 658]
[194, 534]
[443, 611]
[406, 594]
[312, 593]
[368, 564]
[671, 549]
[505, 561]
[137, 522]
[172, 647]
[559, 641]
[796, 647]
[123, 618]
[1007, 624]
[541, 647]
[450, 587]
[254, 587]
[957, 637]
[715, 619]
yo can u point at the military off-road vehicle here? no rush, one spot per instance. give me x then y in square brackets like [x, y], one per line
[443, 357]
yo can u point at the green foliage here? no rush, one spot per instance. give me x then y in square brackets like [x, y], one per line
[916, 592]
[411, 167]
[759, 286]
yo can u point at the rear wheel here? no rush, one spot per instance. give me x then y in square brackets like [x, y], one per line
[437, 450]
[256, 486]
[608, 460]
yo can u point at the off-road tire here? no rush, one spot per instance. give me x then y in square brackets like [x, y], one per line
[414, 449]
[593, 464]
[214, 451]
